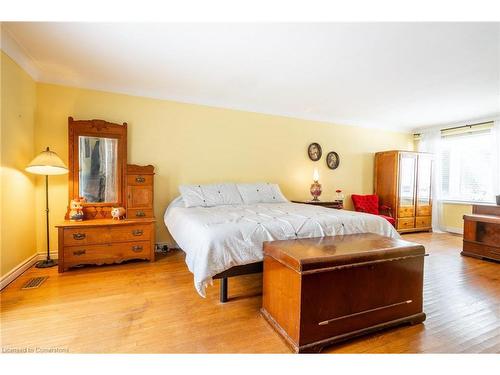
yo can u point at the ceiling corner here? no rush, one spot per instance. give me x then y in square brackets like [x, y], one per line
[16, 52]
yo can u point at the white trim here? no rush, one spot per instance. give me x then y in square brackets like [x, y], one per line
[17, 53]
[454, 230]
[18, 270]
[465, 203]
[23, 266]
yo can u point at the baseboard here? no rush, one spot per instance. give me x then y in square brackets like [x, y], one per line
[454, 230]
[18, 270]
[23, 266]
[53, 255]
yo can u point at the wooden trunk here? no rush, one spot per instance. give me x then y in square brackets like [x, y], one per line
[319, 291]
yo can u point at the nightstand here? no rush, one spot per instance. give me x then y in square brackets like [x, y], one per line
[335, 204]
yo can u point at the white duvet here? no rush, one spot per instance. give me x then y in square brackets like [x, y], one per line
[218, 238]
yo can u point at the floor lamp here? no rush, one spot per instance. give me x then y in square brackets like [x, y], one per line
[47, 163]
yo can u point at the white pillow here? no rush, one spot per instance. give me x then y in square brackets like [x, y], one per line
[261, 193]
[210, 195]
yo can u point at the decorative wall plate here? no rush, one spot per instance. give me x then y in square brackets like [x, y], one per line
[314, 151]
[332, 160]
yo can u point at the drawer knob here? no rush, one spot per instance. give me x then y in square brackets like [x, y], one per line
[140, 213]
[79, 236]
[140, 179]
[79, 252]
[137, 232]
[137, 248]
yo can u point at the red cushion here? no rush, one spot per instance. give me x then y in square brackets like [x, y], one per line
[389, 219]
[365, 203]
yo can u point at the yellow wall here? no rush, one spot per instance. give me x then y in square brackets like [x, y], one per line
[199, 144]
[17, 188]
[452, 216]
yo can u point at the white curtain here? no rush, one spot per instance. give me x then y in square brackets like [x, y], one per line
[496, 157]
[109, 156]
[430, 141]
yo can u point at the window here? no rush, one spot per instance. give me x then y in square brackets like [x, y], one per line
[466, 167]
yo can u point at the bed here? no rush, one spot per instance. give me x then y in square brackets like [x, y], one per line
[226, 240]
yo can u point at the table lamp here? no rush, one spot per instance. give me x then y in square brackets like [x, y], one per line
[316, 186]
[47, 163]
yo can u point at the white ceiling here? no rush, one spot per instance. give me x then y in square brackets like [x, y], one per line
[384, 75]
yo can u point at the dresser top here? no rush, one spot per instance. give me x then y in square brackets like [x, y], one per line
[486, 209]
[101, 222]
[319, 203]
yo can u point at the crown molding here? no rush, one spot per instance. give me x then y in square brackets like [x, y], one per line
[16, 52]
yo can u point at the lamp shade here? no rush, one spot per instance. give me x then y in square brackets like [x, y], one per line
[47, 163]
[316, 175]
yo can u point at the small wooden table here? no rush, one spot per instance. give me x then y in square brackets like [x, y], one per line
[334, 204]
[319, 291]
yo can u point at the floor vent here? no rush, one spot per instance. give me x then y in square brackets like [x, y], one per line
[34, 282]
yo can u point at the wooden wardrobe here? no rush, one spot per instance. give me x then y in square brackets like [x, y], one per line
[403, 182]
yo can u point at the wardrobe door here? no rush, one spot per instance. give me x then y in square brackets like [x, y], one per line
[424, 203]
[406, 190]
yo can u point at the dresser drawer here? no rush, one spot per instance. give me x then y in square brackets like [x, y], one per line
[424, 211]
[84, 236]
[138, 179]
[407, 211]
[139, 213]
[130, 233]
[406, 223]
[95, 236]
[108, 253]
[422, 221]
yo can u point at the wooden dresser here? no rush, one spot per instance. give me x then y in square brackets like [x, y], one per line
[482, 232]
[105, 241]
[98, 171]
[403, 182]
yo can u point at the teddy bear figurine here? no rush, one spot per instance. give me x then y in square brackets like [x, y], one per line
[76, 209]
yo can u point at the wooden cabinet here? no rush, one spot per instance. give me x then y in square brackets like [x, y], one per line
[140, 191]
[403, 182]
[482, 232]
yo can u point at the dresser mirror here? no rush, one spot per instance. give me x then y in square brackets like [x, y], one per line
[98, 169]
[97, 165]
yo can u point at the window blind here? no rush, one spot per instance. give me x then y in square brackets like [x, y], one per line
[466, 166]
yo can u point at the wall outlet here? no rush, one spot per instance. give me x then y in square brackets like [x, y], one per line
[161, 247]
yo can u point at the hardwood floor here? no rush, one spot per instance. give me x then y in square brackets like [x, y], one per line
[153, 308]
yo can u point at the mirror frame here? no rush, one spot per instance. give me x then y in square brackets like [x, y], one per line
[103, 129]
